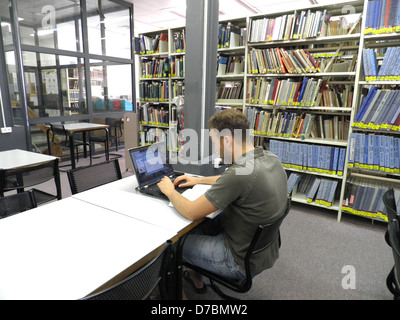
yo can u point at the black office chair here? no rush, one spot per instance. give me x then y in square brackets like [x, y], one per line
[85, 178]
[141, 284]
[391, 209]
[59, 137]
[263, 237]
[393, 279]
[16, 203]
[26, 177]
[115, 133]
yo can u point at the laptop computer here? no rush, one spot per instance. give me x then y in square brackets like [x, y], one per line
[151, 164]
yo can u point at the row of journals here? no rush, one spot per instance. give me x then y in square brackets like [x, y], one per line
[154, 135]
[163, 67]
[156, 44]
[281, 61]
[310, 157]
[156, 91]
[389, 70]
[364, 197]
[151, 115]
[383, 16]
[380, 110]
[230, 35]
[179, 43]
[323, 191]
[113, 104]
[230, 65]
[299, 25]
[231, 90]
[308, 92]
[374, 152]
[297, 126]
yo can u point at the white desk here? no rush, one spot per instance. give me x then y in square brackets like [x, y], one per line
[16, 158]
[120, 196]
[67, 249]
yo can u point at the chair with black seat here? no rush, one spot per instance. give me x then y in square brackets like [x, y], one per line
[263, 237]
[391, 208]
[16, 203]
[141, 284]
[85, 178]
[20, 179]
[60, 137]
[393, 280]
[115, 133]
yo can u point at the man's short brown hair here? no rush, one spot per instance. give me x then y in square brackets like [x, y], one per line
[230, 119]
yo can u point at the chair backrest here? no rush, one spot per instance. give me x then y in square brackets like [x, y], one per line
[85, 178]
[116, 124]
[17, 203]
[139, 285]
[59, 134]
[394, 238]
[25, 177]
[265, 235]
[390, 204]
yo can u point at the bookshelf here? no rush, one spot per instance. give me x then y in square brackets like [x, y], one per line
[310, 70]
[299, 91]
[373, 161]
[162, 79]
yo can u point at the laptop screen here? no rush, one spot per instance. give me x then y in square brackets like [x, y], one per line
[150, 163]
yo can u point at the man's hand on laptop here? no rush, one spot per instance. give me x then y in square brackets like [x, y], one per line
[186, 181]
[166, 186]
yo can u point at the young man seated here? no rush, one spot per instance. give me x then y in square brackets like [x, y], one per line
[251, 192]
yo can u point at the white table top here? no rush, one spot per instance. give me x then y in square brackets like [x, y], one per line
[20, 158]
[120, 196]
[84, 126]
[67, 249]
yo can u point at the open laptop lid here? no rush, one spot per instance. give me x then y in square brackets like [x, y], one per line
[150, 163]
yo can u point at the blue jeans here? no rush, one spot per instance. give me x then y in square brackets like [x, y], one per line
[205, 248]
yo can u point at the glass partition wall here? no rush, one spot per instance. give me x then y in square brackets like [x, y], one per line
[77, 61]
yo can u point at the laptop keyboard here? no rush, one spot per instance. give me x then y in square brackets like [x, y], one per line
[155, 190]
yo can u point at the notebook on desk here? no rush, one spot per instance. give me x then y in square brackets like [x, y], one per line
[151, 164]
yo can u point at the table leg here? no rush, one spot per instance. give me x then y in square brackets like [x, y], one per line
[71, 150]
[84, 144]
[106, 146]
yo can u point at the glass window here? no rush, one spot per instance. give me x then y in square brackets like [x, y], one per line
[55, 85]
[54, 25]
[109, 29]
[111, 85]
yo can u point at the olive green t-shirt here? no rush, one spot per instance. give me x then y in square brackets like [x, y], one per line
[251, 192]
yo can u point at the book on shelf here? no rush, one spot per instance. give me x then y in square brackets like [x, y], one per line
[232, 65]
[154, 44]
[179, 43]
[156, 68]
[383, 16]
[308, 92]
[297, 125]
[365, 198]
[311, 158]
[178, 66]
[299, 25]
[154, 115]
[178, 88]
[389, 70]
[230, 90]
[153, 135]
[380, 110]
[293, 180]
[154, 91]
[319, 190]
[281, 61]
[230, 35]
[375, 152]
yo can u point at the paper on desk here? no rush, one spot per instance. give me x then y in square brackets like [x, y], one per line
[194, 193]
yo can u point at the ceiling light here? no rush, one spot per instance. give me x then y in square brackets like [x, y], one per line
[248, 6]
